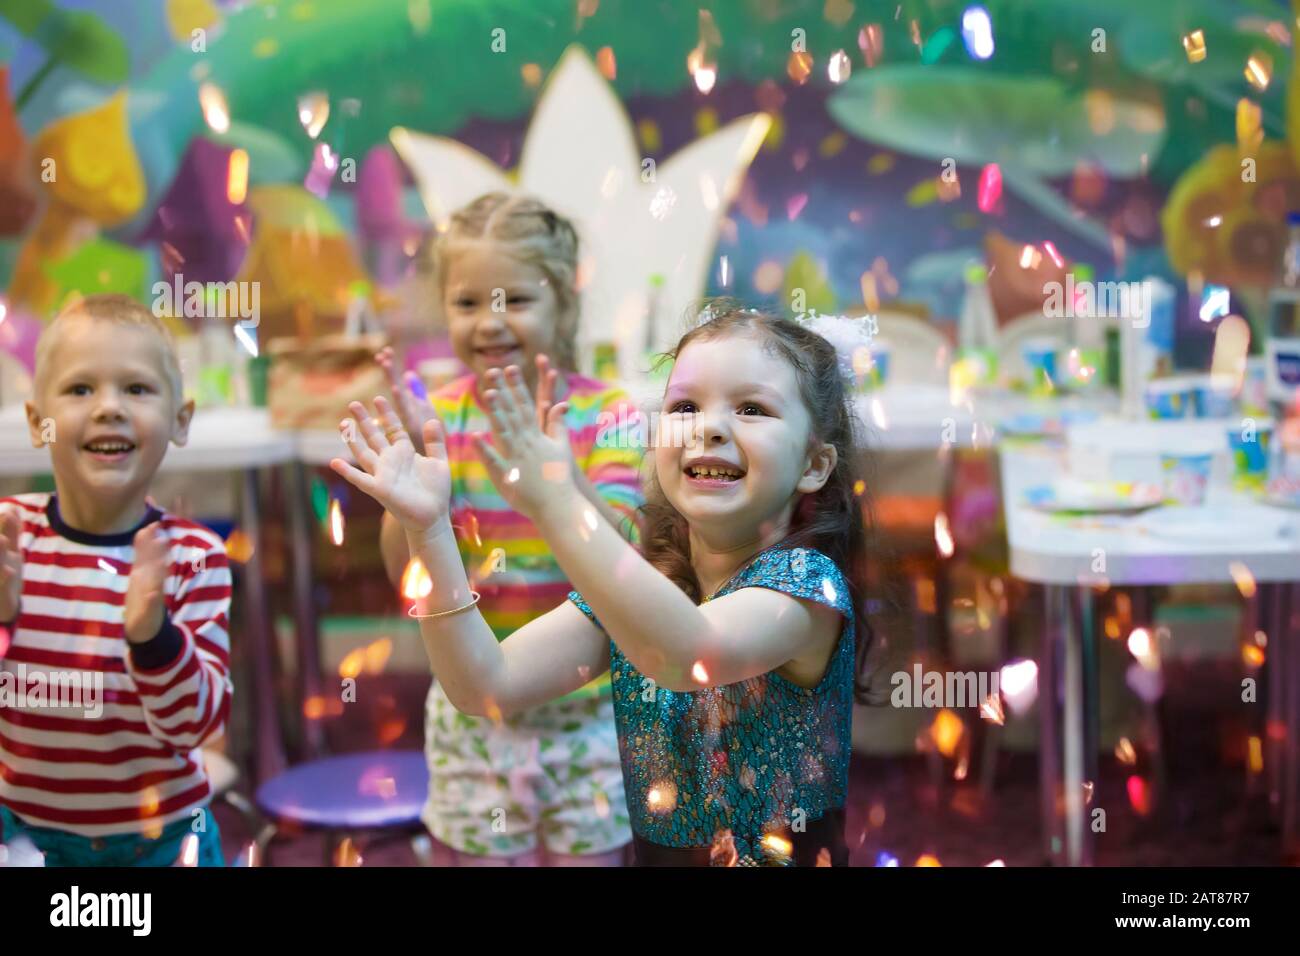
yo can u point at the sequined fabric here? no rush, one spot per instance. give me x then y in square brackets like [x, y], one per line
[746, 759]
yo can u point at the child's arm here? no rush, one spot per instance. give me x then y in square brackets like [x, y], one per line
[667, 637]
[11, 566]
[179, 658]
[551, 656]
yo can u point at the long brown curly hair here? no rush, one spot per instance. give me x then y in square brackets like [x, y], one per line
[837, 519]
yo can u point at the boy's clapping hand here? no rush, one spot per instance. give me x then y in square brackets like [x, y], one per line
[11, 566]
[144, 607]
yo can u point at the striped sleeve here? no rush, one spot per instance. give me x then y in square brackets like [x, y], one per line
[186, 694]
[613, 465]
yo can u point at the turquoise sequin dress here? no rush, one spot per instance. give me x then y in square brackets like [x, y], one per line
[750, 758]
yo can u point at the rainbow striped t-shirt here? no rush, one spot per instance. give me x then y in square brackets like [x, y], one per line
[522, 580]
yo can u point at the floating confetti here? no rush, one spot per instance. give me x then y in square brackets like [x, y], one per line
[704, 73]
[928, 859]
[1250, 126]
[1194, 44]
[778, 846]
[977, 32]
[991, 709]
[1125, 753]
[923, 193]
[839, 67]
[313, 112]
[947, 731]
[317, 707]
[606, 63]
[942, 535]
[189, 850]
[1139, 795]
[1259, 70]
[336, 523]
[832, 145]
[799, 67]
[239, 546]
[699, 673]
[1252, 655]
[886, 859]
[661, 798]
[346, 854]
[1255, 754]
[1141, 646]
[1242, 577]
[871, 41]
[1018, 682]
[1053, 254]
[215, 112]
[989, 195]
[531, 74]
[416, 582]
[994, 863]
[237, 177]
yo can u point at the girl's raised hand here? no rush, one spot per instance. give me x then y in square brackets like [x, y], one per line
[414, 488]
[528, 459]
[409, 397]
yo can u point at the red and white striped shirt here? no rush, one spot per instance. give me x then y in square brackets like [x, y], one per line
[136, 765]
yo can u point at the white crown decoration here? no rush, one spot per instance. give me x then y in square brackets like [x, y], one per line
[851, 338]
[580, 157]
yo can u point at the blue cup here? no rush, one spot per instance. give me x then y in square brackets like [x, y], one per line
[1250, 450]
[1170, 398]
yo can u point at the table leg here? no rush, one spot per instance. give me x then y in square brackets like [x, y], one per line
[1276, 663]
[1049, 744]
[268, 747]
[1073, 726]
[1291, 727]
[307, 642]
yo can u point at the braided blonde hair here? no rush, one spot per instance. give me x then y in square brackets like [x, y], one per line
[533, 233]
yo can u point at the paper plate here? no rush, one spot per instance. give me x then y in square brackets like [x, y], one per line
[1030, 424]
[1094, 497]
[1214, 523]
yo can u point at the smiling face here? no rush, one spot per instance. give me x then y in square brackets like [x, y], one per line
[500, 311]
[735, 447]
[107, 392]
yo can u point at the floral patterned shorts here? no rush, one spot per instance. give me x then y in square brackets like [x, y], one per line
[551, 775]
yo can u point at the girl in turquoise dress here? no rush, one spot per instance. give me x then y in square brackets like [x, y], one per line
[734, 643]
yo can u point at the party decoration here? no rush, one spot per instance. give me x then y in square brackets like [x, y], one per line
[71, 38]
[186, 16]
[1229, 230]
[100, 266]
[580, 157]
[1032, 127]
[204, 233]
[16, 200]
[308, 274]
[90, 165]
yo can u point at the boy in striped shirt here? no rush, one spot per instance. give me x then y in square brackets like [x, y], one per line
[100, 587]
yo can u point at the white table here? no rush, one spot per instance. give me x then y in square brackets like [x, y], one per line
[1070, 555]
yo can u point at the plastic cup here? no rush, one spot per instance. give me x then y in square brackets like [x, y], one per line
[1040, 356]
[1170, 398]
[1250, 448]
[1186, 477]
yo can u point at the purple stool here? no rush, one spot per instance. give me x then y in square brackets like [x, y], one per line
[377, 790]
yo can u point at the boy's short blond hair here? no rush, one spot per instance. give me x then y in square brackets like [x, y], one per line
[110, 307]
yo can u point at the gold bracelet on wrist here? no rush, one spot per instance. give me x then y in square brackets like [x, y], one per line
[454, 610]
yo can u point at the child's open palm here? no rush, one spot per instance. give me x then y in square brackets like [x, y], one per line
[414, 488]
[11, 566]
[529, 459]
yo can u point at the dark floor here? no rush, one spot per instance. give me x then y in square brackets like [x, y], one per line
[1213, 815]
